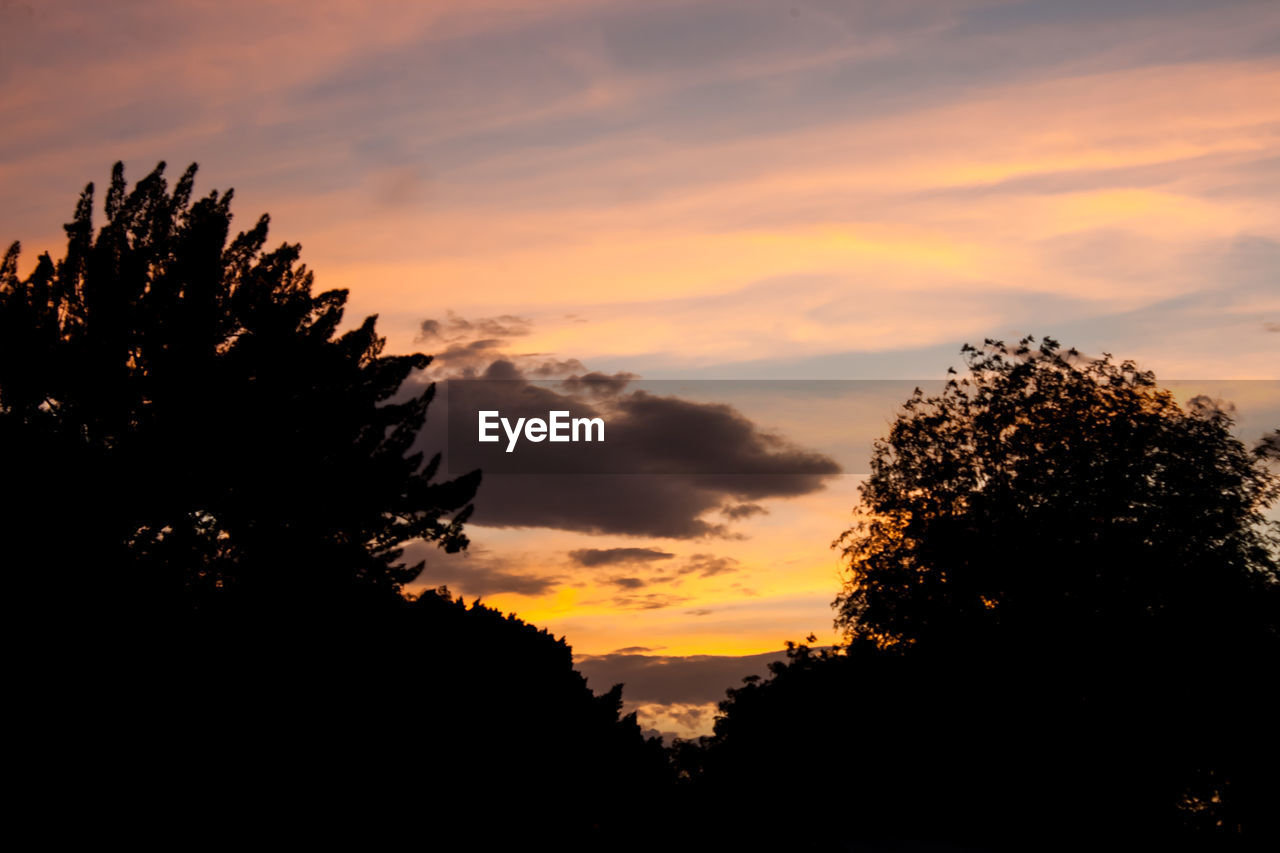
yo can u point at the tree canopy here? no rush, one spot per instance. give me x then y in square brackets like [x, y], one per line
[179, 408]
[1049, 497]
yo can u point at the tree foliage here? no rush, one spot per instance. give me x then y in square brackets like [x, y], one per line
[210, 489]
[1062, 616]
[178, 405]
[1046, 496]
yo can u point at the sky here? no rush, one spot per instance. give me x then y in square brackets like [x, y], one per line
[701, 191]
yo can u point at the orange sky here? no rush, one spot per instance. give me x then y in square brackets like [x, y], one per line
[745, 189]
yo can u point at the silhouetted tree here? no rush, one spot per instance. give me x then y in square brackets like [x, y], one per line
[209, 487]
[1062, 626]
[1108, 553]
[1047, 497]
[181, 421]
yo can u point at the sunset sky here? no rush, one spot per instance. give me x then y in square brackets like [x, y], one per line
[728, 190]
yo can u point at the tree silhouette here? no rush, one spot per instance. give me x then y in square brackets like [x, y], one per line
[210, 487]
[1061, 618]
[1045, 497]
[181, 410]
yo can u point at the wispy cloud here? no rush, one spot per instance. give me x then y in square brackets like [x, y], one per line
[612, 556]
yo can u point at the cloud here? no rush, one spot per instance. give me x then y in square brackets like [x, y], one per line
[668, 679]
[647, 601]
[481, 348]
[679, 720]
[628, 583]
[456, 328]
[702, 565]
[612, 556]
[738, 512]
[548, 369]
[477, 571]
[666, 464]
[599, 384]
[667, 506]
[673, 695]
[706, 565]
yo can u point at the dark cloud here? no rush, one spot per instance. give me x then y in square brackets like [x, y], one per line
[671, 679]
[611, 556]
[470, 358]
[628, 583]
[457, 328]
[666, 506]
[737, 512]
[599, 384]
[551, 369]
[664, 433]
[471, 348]
[505, 326]
[502, 370]
[667, 463]
[1271, 327]
[701, 611]
[477, 572]
[703, 565]
[706, 565]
